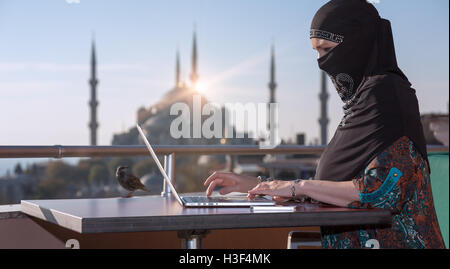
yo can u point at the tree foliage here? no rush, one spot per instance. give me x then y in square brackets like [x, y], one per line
[58, 181]
[18, 169]
[144, 167]
[98, 174]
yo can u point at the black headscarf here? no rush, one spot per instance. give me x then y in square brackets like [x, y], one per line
[379, 104]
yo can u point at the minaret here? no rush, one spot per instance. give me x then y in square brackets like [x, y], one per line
[194, 74]
[93, 103]
[177, 71]
[323, 121]
[272, 83]
[272, 115]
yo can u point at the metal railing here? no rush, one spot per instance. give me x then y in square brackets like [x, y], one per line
[59, 151]
[169, 152]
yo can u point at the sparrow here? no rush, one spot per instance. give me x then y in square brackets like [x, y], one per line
[128, 181]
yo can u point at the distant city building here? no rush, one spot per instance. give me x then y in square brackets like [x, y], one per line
[12, 187]
[435, 128]
[300, 138]
[18, 185]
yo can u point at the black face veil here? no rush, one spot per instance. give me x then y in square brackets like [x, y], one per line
[379, 104]
[352, 24]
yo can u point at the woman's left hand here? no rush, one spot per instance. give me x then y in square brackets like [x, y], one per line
[280, 190]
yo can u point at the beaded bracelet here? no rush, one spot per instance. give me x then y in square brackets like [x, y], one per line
[294, 196]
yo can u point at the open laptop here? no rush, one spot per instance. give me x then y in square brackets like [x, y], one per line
[203, 201]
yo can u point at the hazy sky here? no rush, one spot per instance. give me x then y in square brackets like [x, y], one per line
[45, 54]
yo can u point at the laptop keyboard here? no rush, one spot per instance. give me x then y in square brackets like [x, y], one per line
[204, 199]
[200, 199]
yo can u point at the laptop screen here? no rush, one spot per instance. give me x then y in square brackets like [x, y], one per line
[161, 169]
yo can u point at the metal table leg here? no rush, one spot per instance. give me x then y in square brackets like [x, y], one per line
[192, 239]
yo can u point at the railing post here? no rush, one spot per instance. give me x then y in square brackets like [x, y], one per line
[169, 167]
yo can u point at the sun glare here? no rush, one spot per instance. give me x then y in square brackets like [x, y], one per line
[200, 87]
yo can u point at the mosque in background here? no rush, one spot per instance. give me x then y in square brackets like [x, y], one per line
[156, 119]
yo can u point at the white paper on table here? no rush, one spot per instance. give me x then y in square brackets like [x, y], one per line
[272, 209]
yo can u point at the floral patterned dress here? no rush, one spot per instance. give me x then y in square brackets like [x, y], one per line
[397, 179]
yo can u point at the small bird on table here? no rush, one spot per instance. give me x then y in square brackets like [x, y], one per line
[128, 181]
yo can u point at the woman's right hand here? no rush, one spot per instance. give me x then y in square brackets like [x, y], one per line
[230, 182]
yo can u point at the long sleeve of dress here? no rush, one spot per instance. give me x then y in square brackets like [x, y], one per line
[397, 179]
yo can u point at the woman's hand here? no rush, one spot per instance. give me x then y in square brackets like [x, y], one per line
[280, 190]
[230, 181]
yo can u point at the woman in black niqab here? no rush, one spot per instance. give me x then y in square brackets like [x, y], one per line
[379, 104]
[377, 157]
[379, 144]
